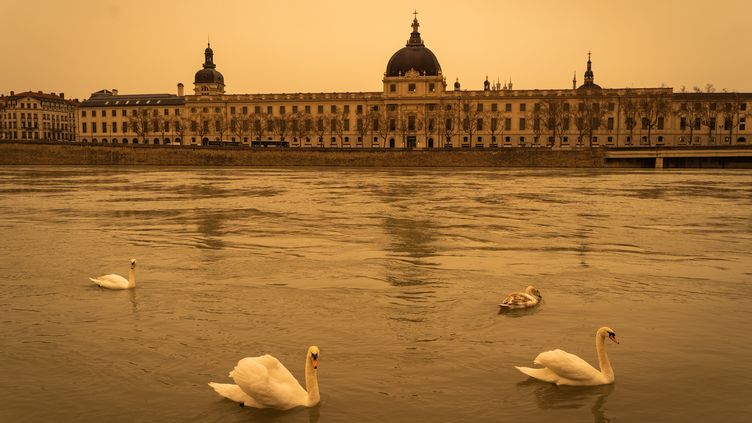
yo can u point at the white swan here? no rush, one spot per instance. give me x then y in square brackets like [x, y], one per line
[563, 368]
[263, 382]
[531, 297]
[117, 281]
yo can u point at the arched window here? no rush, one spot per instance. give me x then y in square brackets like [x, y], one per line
[741, 139]
[94, 140]
[156, 141]
[104, 140]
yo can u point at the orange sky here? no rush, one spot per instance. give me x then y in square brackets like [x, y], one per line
[148, 46]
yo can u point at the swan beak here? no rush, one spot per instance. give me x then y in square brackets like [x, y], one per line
[315, 362]
[613, 338]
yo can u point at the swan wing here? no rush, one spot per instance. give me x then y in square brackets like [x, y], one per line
[268, 382]
[518, 299]
[111, 281]
[567, 365]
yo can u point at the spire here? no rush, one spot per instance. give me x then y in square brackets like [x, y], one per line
[574, 80]
[209, 56]
[415, 35]
[589, 72]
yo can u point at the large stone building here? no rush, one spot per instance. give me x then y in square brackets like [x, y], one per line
[37, 116]
[417, 109]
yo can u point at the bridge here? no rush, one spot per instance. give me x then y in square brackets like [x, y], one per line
[699, 156]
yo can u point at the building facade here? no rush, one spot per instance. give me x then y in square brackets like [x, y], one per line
[417, 109]
[37, 116]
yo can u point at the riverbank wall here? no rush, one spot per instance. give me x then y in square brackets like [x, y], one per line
[151, 155]
[36, 153]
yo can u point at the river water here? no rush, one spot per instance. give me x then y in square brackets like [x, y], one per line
[395, 274]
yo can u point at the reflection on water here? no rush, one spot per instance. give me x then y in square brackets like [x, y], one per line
[549, 396]
[395, 273]
[521, 312]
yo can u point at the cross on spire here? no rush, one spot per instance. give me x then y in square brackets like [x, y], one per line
[416, 13]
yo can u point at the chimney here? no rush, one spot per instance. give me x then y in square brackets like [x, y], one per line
[12, 93]
[114, 91]
[180, 89]
[62, 95]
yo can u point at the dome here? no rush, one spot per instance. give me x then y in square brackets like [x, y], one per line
[209, 76]
[590, 86]
[413, 56]
[419, 58]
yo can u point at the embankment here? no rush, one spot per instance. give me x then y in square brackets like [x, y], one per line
[154, 155]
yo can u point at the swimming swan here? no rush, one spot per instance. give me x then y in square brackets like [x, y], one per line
[117, 281]
[531, 297]
[263, 382]
[563, 368]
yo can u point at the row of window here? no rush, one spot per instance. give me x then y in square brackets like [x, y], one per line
[685, 124]
[45, 106]
[124, 112]
[344, 125]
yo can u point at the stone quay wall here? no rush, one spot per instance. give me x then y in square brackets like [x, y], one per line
[13, 153]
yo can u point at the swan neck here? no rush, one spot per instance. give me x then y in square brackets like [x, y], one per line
[603, 361]
[312, 383]
[132, 277]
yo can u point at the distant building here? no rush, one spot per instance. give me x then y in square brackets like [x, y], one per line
[111, 118]
[416, 109]
[37, 116]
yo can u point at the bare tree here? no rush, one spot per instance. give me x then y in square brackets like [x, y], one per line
[239, 126]
[257, 126]
[595, 114]
[281, 125]
[362, 125]
[535, 116]
[179, 124]
[405, 126]
[690, 117]
[300, 126]
[163, 126]
[200, 125]
[337, 127]
[381, 122]
[734, 111]
[653, 108]
[320, 127]
[554, 113]
[449, 122]
[496, 118]
[630, 109]
[139, 123]
[221, 124]
[471, 111]
[427, 122]
[375, 124]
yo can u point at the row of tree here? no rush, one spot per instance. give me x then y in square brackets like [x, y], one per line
[556, 118]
